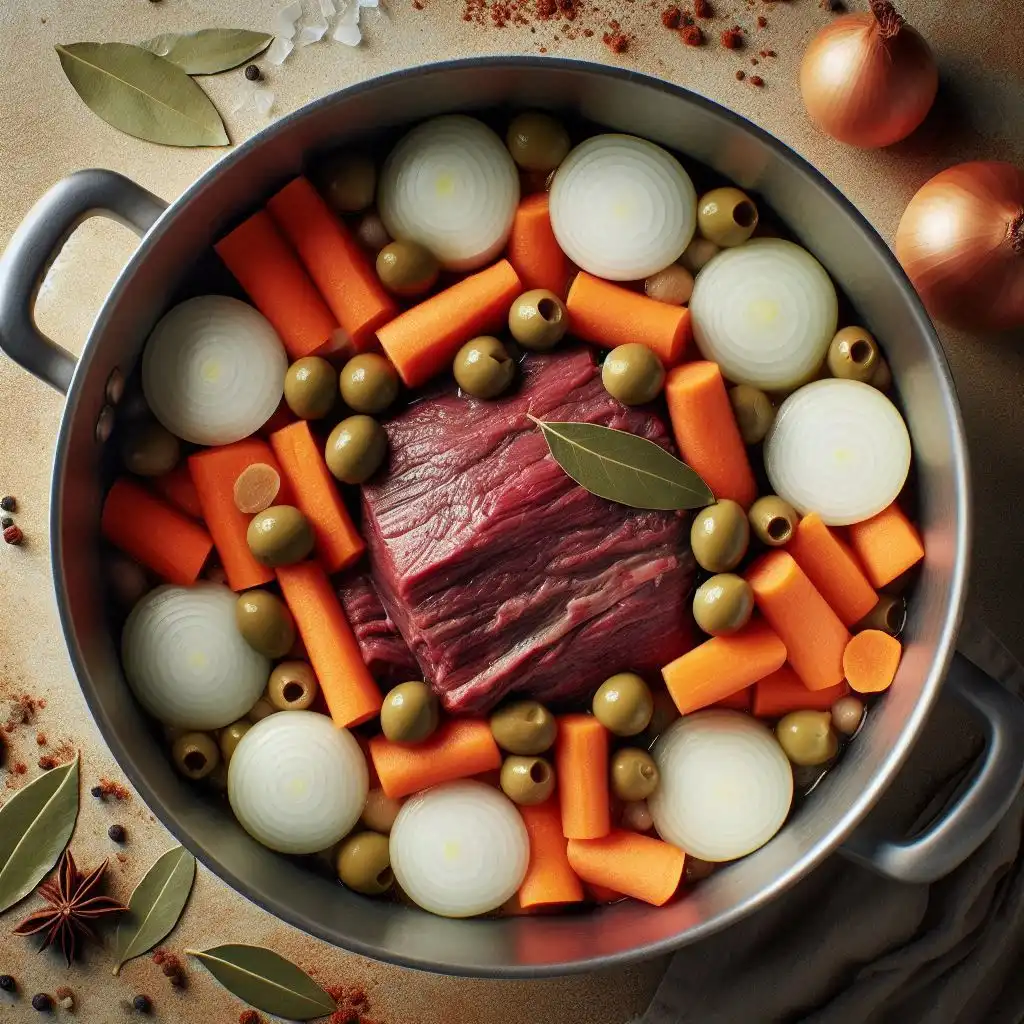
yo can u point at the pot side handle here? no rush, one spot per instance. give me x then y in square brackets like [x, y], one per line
[981, 800]
[36, 244]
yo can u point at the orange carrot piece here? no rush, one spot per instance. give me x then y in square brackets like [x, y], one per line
[272, 276]
[532, 248]
[887, 545]
[738, 701]
[549, 879]
[177, 488]
[459, 748]
[334, 260]
[351, 694]
[706, 432]
[783, 691]
[813, 634]
[581, 767]
[364, 745]
[721, 666]
[608, 315]
[154, 534]
[423, 341]
[338, 543]
[832, 569]
[870, 661]
[640, 866]
[214, 472]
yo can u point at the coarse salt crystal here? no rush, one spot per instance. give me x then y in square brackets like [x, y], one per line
[312, 33]
[370, 3]
[263, 100]
[279, 50]
[286, 20]
[242, 99]
[349, 14]
[327, 8]
[348, 34]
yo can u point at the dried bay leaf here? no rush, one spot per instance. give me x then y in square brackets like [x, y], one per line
[623, 467]
[209, 50]
[142, 94]
[35, 826]
[155, 905]
[264, 979]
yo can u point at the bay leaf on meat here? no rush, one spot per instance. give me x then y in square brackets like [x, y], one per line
[210, 50]
[142, 94]
[155, 905]
[35, 826]
[264, 979]
[625, 468]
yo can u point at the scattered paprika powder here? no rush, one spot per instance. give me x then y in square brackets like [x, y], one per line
[732, 38]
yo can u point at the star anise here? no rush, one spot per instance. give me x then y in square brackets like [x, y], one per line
[73, 903]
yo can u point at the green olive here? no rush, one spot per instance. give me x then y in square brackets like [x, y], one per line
[410, 713]
[723, 604]
[773, 520]
[149, 449]
[847, 714]
[726, 216]
[380, 811]
[853, 355]
[265, 623]
[527, 780]
[280, 535]
[754, 412]
[537, 142]
[407, 268]
[633, 374]
[483, 367]
[882, 377]
[355, 449]
[347, 181]
[230, 736]
[195, 755]
[889, 615]
[623, 704]
[310, 387]
[538, 320]
[260, 710]
[364, 863]
[525, 727]
[293, 686]
[634, 774]
[698, 254]
[369, 383]
[807, 737]
[720, 535]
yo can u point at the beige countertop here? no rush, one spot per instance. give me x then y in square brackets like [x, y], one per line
[47, 133]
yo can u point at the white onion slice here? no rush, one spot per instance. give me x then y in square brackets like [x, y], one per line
[297, 783]
[450, 185]
[213, 370]
[765, 312]
[459, 849]
[839, 448]
[726, 786]
[622, 208]
[185, 660]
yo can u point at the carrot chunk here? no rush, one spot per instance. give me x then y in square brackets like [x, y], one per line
[177, 488]
[887, 545]
[459, 748]
[640, 866]
[783, 691]
[549, 879]
[351, 694]
[533, 250]
[154, 534]
[723, 665]
[606, 314]
[581, 767]
[813, 635]
[870, 661]
[706, 432]
[423, 341]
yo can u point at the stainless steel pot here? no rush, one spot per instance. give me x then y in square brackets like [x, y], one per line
[173, 239]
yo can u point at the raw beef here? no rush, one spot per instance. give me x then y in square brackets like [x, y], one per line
[385, 652]
[500, 572]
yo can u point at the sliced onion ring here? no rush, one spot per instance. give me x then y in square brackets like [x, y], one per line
[622, 208]
[765, 311]
[450, 185]
[213, 370]
[726, 785]
[839, 448]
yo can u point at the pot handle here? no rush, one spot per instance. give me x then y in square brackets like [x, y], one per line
[34, 247]
[980, 801]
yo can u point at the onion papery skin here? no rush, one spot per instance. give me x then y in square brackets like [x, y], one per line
[868, 79]
[961, 242]
[297, 783]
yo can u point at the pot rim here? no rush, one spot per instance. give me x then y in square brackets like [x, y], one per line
[958, 572]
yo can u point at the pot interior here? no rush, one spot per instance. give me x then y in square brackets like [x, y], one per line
[175, 259]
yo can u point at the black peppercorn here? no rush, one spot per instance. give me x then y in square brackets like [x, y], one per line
[9, 504]
[7, 983]
[42, 1002]
[117, 833]
[252, 73]
[97, 791]
[6, 521]
[142, 1004]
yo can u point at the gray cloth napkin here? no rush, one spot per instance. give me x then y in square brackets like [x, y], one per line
[846, 946]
